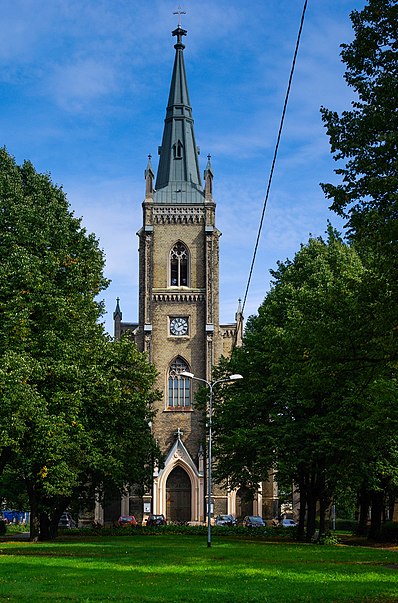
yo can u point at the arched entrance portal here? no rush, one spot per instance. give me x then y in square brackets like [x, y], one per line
[244, 503]
[178, 496]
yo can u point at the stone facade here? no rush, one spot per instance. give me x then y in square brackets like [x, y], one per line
[178, 323]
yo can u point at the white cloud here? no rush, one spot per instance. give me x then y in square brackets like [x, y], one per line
[85, 92]
[75, 85]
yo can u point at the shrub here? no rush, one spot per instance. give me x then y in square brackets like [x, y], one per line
[346, 524]
[265, 533]
[329, 538]
[389, 532]
[3, 527]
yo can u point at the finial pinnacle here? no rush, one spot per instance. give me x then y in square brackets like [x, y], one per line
[179, 433]
[179, 32]
[179, 12]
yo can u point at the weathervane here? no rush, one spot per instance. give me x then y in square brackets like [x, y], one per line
[179, 12]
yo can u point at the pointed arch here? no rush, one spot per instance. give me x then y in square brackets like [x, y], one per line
[178, 149]
[179, 457]
[179, 265]
[179, 388]
[178, 495]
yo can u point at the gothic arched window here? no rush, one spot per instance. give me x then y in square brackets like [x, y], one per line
[179, 386]
[177, 149]
[179, 265]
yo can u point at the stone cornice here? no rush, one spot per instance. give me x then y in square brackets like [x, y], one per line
[172, 214]
[178, 297]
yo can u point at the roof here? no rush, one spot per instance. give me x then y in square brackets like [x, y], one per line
[178, 177]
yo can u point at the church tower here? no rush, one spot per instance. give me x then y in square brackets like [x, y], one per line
[178, 298]
[178, 322]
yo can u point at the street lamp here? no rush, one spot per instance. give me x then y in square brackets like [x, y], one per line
[211, 386]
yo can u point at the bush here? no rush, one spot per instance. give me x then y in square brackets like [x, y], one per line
[329, 538]
[3, 527]
[346, 524]
[389, 532]
[265, 533]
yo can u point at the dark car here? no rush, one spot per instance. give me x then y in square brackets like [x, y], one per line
[66, 521]
[156, 520]
[225, 520]
[253, 521]
[126, 520]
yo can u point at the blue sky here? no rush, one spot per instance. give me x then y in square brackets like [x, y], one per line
[83, 91]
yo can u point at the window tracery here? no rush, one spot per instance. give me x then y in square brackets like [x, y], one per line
[179, 390]
[179, 265]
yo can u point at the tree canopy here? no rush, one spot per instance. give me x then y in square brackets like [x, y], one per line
[76, 406]
[364, 139]
[320, 359]
[315, 384]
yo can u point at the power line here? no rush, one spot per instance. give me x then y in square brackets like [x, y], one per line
[273, 160]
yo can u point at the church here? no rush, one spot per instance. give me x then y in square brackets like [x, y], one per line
[178, 324]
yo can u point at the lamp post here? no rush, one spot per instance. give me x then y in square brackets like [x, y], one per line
[211, 386]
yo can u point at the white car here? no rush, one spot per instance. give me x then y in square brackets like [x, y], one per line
[288, 523]
[66, 521]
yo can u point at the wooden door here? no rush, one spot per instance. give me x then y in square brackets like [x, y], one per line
[178, 496]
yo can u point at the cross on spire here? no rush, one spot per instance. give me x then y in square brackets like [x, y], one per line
[179, 12]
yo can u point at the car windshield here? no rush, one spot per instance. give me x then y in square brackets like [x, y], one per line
[256, 519]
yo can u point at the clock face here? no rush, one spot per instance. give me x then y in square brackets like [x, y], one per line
[179, 326]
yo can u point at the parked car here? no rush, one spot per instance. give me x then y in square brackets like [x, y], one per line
[288, 523]
[156, 520]
[126, 520]
[253, 521]
[225, 520]
[66, 521]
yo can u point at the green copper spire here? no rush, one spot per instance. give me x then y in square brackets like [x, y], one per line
[178, 178]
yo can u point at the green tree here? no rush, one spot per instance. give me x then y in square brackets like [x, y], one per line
[310, 377]
[73, 402]
[109, 445]
[364, 141]
[365, 138]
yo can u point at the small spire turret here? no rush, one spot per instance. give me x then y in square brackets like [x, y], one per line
[117, 313]
[208, 176]
[149, 176]
[117, 320]
[239, 325]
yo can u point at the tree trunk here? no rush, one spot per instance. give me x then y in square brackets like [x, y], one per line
[323, 507]
[302, 513]
[49, 523]
[44, 526]
[376, 514]
[34, 514]
[5, 455]
[311, 515]
[364, 505]
[391, 507]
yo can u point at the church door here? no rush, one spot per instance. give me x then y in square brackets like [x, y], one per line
[178, 496]
[244, 503]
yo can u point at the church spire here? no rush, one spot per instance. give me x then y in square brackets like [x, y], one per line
[178, 178]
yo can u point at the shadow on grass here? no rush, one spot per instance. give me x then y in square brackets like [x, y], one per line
[180, 568]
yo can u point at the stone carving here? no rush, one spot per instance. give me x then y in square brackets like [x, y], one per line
[178, 297]
[178, 215]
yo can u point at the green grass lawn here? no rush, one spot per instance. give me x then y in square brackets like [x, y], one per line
[182, 568]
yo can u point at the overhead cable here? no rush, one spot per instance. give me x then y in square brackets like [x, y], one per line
[273, 161]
